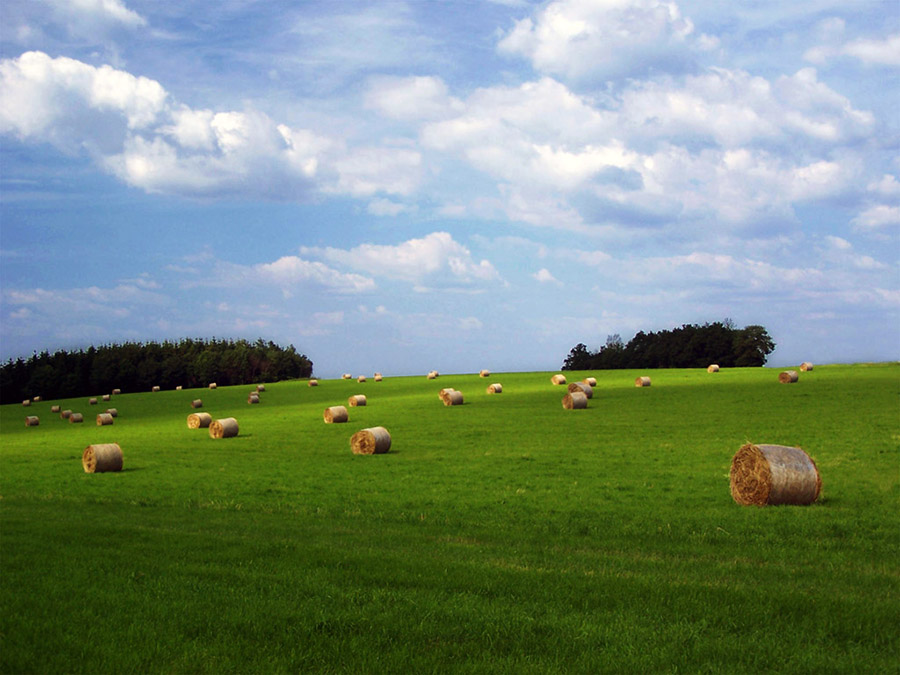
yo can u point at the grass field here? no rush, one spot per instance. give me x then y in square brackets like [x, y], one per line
[503, 535]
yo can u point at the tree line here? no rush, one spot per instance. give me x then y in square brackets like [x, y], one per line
[691, 346]
[136, 366]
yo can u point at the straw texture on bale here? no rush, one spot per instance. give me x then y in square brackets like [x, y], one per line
[591, 381]
[197, 403]
[253, 398]
[583, 387]
[712, 368]
[788, 376]
[65, 414]
[260, 387]
[26, 402]
[116, 392]
[76, 418]
[453, 397]
[226, 427]
[484, 373]
[361, 378]
[357, 400]
[32, 421]
[806, 366]
[102, 457]
[92, 401]
[113, 411]
[575, 400]
[155, 388]
[371, 441]
[495, 388]
[199, 420]
[774, 474]
[335, 414]
[104, 419]
[558, 379]
[642, 381]
[54, 408]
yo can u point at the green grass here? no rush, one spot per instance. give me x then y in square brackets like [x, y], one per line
[504, 535]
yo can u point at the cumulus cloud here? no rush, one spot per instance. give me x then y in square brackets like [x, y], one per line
[870, 51]
[544, 276]
[411, 98]
[103, 11]
[876, 218]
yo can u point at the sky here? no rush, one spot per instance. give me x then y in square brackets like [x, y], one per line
[449, 185]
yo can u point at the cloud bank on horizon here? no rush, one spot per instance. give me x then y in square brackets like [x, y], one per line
[411, 186]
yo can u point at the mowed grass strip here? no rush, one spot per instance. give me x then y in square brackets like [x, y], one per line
[506, 534]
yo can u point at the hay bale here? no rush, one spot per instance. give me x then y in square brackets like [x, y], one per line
[453, 397]
[643, 381]
[102, 457]
[104, 419]
[54, 408]
[774, 474]
[495, 388]
[335, 414]
[76, 418]
[65, 414]
[224, 428]
[105, 397]
[806, 366]
[443, 392]
[32, 421]
[591, 381]
[260, 387]
[583, 387]
[92, 401]
[361, 378]
[37, 399]
[788, 376]
[432, 375]
[113, 412]
[199, 420]
[212, 385]
[575, 400]
[346, 376]
[312, 383]
[178, 388]
[27, 402]
[484, 373]
[155, 388]
[116, 392]
[712, 368]
[197, 403]
[558, 379]
[371, 441]
[357, 400]
[253, 398]
[377, 377]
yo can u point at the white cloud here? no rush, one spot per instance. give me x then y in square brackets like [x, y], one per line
[386, 207]
[544, 276]
[411, 98]
[878, 217]
[870, 51]
[363, 172]
[113, 11]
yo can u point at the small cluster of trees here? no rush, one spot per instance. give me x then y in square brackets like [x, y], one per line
[135, 366]
[691, 346]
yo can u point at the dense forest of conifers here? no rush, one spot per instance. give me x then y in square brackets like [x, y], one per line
[691, 346]
[135, 366]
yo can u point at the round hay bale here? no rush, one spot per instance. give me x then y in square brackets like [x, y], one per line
[32, 421]
[643, 381]
[178, 388]
[212, 385]
[712, 368]
[105, 397]
[453, 397]
[27, 402]
[113, 412]
[155, 388]
[377, 377]
[442, 394]
[583, 387]
[116, 392]
[199, 420]
[575, 400]
[104, 419]
[591, 381]
[76, 418]
[361, 378]
[788, 376]
[495, 388]
[335, 414]
[558, 379]
[357, 400]
[92, 401]
[432, 375]
[774, 474]
[346, 376]
[371, 441]
[312, 383]
[260, 387]
[37, 399]
[253, 398]
[102, 457]
[54, 408]
[226, 427]
[806, 366]
[65, 414]
[197, 403]
[484, 373]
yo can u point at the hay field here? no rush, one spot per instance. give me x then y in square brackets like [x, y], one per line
[506, 534]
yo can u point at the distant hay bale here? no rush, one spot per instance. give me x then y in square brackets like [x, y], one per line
[346, 376]
[102, 457]
[54, 408]
[260, 387]
[212, 385]
[26, 402]
[453, 397]
[199, 420]
[558, 379]
[36, 399]
[92, 401]
[223, 428]
[357, 400]
[643, 381]
[377, 377]
[32, 421]
[361, 378]
[774, 474]
[155, 388]
[806, 366]
[76, 418]
[335, 414]
[575, 400]
[197, 403]
[65, 414]
[495, 388]
[788, 376]
[105, 397]
[591, 381]
[116, 392]
[432, 375]
[712, 368]
[178, 388]
[312, 383]
[484, 373]
[253, 398]
[104, 419]
[371, 441]
[583, 387]
[112, 411]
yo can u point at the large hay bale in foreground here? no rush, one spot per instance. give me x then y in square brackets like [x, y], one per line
[104, 419]
[453, 397]
[199, 420]
[226, 427]
[712, 368]
[371, 441]
[806, 366]
[575, 400]
[558, 379]
[442, 394]
[583, 387]
[32, 421]
[102, 457]
[197, 403]
[335, 414]
[591, 381]
[788, 376]
[495, 388]
[76, 418]
[357, 400]
[774, 474]
[643, 381]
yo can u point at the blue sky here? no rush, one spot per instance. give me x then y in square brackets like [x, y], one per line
[449, 185]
